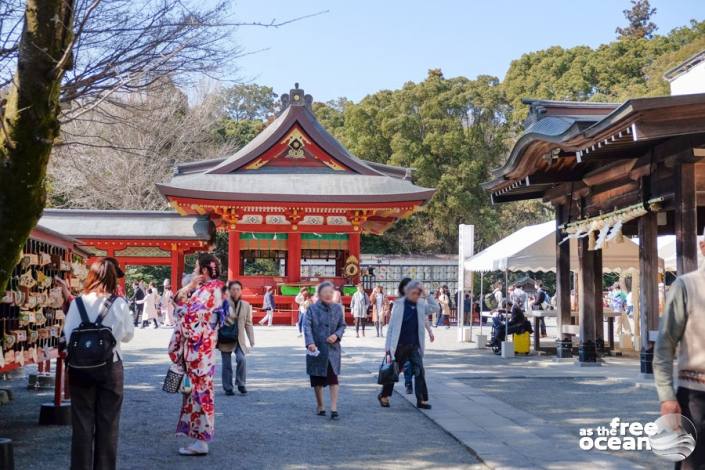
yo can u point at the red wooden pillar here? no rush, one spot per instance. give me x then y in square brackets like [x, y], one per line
[233, 254]
[354, 250]
[177, 268]
[293, 257]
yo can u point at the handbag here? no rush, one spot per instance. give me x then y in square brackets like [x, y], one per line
[173, 379]
[186, 385]
[227, 334]
[388, 371]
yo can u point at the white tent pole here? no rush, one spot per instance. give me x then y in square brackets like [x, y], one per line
[466, 248]
[482, 275]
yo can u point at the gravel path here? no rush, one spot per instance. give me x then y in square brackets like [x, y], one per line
[273, 427]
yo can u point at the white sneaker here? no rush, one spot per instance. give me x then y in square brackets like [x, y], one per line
[197, 448]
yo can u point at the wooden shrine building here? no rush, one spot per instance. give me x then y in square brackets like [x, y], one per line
[293, 194]
[134, 237]
[634, 169]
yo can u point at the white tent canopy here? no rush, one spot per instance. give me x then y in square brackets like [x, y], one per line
[667, 251]
[533, 248]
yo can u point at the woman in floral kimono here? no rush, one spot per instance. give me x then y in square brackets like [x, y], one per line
[192, 347]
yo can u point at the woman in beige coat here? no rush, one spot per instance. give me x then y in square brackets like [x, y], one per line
[238, 312]
[380, 309]
[444, 302]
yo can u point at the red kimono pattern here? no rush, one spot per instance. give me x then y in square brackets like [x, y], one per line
[192, 345]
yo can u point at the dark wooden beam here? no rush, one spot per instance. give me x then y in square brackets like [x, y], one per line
[686, 218]
[587, 352]
[677, 145]
[563, 190]
[609, 172]
[599, 314]
[564, 342]
[648, 285]
[509, 197]
[668, 128]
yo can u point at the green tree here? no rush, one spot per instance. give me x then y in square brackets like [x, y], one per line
[246, 110]
[629, 67]
[249, 102]
[452, 132]
[639, 18]
[237, 133]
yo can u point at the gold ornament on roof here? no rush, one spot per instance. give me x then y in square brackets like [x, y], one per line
[296, 142]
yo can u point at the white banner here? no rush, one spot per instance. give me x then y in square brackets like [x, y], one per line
[466, 248]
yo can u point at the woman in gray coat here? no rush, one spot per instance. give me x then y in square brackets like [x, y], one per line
[324, 326]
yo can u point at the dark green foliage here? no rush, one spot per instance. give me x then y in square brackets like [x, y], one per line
[630, 67]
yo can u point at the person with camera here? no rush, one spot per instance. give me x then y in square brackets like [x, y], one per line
[406, 339]
[96, 323]
[191, 347]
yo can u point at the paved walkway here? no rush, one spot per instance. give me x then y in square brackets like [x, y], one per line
[488, 412]
[274, 427]
[526, 412]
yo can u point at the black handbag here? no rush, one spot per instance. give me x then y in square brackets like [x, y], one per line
[388, 371]
[172, 381]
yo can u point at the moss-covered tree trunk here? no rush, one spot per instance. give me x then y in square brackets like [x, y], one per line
[29, 123]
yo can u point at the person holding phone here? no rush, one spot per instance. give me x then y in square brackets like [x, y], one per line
[406, 339]
[192, 345]
[323, 329]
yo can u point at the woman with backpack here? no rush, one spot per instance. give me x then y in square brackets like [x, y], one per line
[191, 347]
[96, 374]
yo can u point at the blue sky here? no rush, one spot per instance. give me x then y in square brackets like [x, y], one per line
[362, 46]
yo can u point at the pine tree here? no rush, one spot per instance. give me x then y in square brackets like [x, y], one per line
[639, 18]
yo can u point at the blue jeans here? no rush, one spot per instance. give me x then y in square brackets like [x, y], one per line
[300, 322]
[408, 374]
[227, 369]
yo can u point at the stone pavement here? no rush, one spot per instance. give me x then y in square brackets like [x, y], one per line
[274, 427]
[526, 412]
[488, 412]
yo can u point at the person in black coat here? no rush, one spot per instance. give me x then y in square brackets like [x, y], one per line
[137, 300]
[517, 324]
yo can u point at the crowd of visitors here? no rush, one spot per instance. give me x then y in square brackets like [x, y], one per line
[207, 315]
[149, 306]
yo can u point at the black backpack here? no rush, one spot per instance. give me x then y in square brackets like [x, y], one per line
[92, 344]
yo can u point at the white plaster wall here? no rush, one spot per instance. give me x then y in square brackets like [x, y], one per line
[693, 81]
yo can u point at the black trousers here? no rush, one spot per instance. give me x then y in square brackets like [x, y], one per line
[411, 353]
[692, 404]
[95, 415]
[360, 322]
[138, 313]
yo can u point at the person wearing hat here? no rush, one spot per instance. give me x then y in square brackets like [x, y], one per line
[96, 397]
